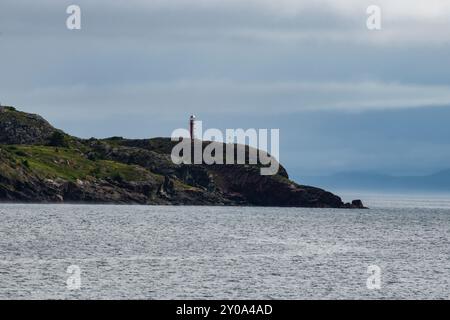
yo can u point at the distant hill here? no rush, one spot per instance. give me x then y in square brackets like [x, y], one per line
[437, 182]
[39, 163]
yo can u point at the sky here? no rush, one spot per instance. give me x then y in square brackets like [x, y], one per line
[345, 98]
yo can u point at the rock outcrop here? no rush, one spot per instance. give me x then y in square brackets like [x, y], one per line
[23, 128]
[39, 163]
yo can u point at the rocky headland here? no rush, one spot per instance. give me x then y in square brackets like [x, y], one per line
[42, 164]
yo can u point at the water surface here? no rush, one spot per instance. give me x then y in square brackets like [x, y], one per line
[166, 252]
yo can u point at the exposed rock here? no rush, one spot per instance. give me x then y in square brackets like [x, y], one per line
[23, 128]
[356, 204]
[37, 165]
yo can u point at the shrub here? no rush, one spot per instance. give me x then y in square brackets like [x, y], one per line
[25, 163]
[96, 171]
[58, 139]
[117, 177]
[21, 153]
[92, 156]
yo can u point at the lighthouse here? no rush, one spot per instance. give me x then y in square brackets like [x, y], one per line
[192, 126]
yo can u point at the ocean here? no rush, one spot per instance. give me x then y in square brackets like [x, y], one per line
[169, 252]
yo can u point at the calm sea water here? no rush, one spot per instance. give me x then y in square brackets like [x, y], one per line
[155, 252]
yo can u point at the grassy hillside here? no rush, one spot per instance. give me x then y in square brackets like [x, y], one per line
[71, 164]
[39, 163]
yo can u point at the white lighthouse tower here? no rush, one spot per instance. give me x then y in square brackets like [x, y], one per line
[192, 126]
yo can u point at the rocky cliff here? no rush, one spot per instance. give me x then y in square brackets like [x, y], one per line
[39, 163]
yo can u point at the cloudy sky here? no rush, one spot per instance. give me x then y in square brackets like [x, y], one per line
[344, 98]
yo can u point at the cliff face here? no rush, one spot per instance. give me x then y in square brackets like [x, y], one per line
[39, 163]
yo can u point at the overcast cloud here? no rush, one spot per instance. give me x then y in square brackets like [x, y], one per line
[139, 68]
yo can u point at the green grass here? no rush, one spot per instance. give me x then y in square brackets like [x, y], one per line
[70, 164]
